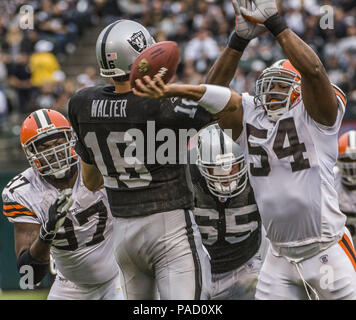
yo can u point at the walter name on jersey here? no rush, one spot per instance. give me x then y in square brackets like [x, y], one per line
[105, 108]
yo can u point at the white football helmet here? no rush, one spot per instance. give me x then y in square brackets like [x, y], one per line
[285, 74]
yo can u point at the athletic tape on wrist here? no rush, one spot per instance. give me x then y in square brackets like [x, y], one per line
[276, 24]
[237, 43]
[215, 98]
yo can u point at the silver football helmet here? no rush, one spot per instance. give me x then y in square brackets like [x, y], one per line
[119, 44]
[221, 162]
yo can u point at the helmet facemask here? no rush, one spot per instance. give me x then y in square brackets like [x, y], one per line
[227, 177]
[55, 161]
[268, 98]
[347, 166]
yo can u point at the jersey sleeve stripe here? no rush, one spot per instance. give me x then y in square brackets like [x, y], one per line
[14, 206]
[23, 209]
[22, 215]
[13, 213]
[11, 203]
[340, 94]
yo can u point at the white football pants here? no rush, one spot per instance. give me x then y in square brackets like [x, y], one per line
[240, 284]
[63, 289]
[164, 252]
[328, 275]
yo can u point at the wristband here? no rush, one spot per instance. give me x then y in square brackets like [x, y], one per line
[215, 98]
[276, 24]
[40, 268]
[237, 43]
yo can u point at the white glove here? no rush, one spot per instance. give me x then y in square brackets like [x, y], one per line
[264, 10]
[243, 27]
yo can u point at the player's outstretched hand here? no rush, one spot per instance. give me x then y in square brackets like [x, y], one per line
[151, 88]
[56, 215]
[245, 28]
[264, 10]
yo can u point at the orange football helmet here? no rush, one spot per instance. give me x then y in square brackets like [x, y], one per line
[44, 125]
[347, 157]
[285, 74]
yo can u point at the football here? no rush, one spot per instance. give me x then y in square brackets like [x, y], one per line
[161, 58]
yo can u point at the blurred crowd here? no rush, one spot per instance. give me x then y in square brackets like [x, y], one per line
[32, 59]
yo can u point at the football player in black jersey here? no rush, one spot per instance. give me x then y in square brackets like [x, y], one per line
[135, 147]
[227, 215]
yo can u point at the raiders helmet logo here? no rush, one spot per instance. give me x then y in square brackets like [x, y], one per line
[143, 66]
[138, 41]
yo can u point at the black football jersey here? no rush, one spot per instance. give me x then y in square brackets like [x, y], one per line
[230, 228]
[139, 146]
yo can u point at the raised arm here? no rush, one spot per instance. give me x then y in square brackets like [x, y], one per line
[318, 94]
[224, 68]
[223, 103]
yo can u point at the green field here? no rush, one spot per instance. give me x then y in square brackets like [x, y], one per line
[24, 295]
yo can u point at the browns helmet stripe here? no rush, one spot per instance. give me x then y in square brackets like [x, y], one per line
[222, 142]
[47, 116]
[42, 119]
[35, 116]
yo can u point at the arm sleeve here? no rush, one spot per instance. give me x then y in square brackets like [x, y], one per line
[184, 114]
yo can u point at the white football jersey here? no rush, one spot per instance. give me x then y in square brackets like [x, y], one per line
[347, 202]
[290, 165]
[83, 246]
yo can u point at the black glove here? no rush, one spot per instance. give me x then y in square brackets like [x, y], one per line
[56, 215]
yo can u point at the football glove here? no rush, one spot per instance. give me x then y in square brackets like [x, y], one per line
[264, 10]
[56, 215]
[243, 27]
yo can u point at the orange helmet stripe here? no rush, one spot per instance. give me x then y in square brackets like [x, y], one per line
[347, 140]
[288, 65]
